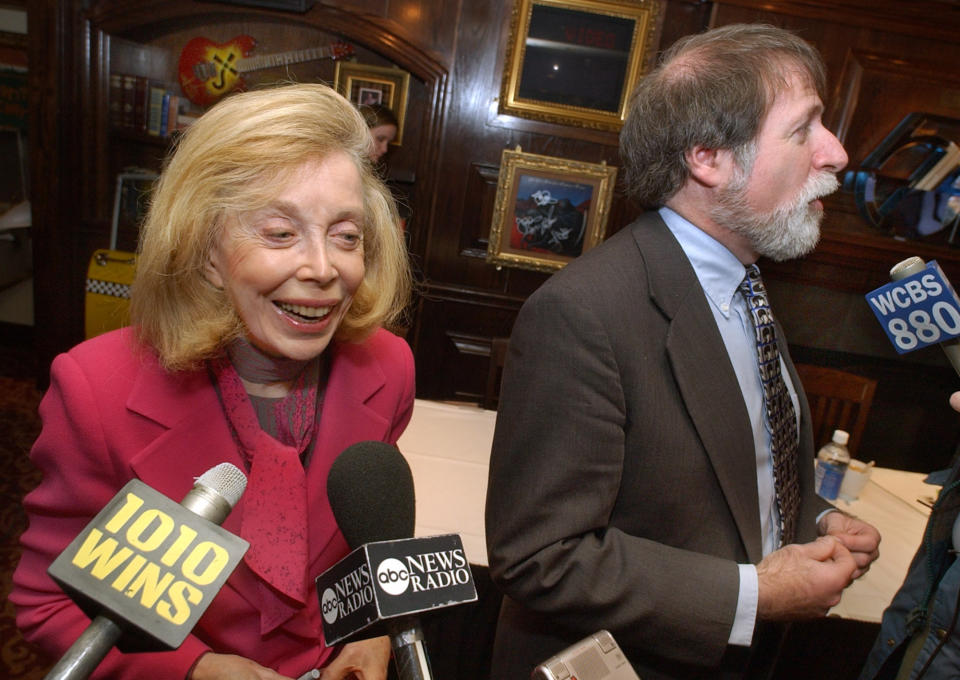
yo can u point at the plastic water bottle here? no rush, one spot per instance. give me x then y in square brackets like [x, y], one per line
[832, 462]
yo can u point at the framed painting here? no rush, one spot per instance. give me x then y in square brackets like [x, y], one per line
[575, 62]
[364, 84]
[548, 210]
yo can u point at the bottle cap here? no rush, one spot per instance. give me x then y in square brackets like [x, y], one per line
[841, 437]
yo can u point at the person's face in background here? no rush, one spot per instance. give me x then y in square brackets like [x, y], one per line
[292, 268]
[382, 136]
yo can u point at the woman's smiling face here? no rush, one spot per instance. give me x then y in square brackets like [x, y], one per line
[291, 269]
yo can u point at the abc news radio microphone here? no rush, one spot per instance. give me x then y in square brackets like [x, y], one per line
[389, 577]
[145, 568]
[919, 308]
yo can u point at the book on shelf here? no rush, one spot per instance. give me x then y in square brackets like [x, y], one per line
[127, 105]
[141, 94]
[116, 99]
[171, 110]
[155, 111]
[148, 106]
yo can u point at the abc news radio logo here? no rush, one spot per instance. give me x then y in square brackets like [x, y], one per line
[393, 578]
[918, 310]
[151, 563]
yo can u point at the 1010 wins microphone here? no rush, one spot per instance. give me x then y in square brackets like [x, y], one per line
[145, 568]
[919, 308]
[390, 577]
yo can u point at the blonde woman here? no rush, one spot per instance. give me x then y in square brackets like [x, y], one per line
[268, 264]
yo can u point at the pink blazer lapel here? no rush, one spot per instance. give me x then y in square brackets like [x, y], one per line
[197, 439]
[346, 419]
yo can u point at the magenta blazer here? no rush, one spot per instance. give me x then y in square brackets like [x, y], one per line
[112, 413]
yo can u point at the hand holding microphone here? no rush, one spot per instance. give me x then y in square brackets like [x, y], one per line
[390, 577]
[145, 568]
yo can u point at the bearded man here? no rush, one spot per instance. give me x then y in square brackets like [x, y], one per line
[652, 468]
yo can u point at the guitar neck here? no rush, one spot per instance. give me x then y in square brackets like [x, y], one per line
[263, 61]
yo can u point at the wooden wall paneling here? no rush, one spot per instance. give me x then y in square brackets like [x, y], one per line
[936, 19]
[456, 275]
[463, 141]
[453, 354]
[428, 22]
[878, 89]
[480, 199]
[55, 169]
[462, 302]
[683, 17]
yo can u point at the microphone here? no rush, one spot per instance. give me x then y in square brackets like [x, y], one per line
[597, 657]
[919, 308]
[390, 576]
[145, 568]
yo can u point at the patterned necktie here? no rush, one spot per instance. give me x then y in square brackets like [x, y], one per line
[780, 412]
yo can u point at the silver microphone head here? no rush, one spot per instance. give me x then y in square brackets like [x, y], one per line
[906, 268]
[215, 492]
[226, 479]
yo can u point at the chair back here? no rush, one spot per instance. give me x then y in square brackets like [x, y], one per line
[839, 400]
[498, 357]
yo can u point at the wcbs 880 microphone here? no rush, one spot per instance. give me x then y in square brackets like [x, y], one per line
[919, 308]
[390, 577]
[145, 568]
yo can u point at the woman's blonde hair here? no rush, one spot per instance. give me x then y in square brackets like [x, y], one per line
[236, 158]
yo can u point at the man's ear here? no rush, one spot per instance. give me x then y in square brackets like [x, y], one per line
[709, 166]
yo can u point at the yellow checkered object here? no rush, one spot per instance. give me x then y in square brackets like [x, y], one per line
[109, 277]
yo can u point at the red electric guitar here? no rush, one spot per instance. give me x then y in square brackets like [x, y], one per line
[208, 71]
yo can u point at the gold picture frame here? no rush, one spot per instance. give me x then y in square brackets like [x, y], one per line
[363, 84]
[548, 210]
[575, 62]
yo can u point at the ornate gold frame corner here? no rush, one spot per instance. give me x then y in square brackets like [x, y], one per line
[647, 16]
[546, 169]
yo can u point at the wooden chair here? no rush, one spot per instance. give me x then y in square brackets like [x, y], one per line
[498, 357]
[838, 401]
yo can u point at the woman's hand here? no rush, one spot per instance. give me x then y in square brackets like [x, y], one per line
[231, 667]
[363, 660]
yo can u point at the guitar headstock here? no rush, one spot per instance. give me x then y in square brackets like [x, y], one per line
[341, 50]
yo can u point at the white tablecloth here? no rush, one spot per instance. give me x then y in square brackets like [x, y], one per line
[448, 448]
[889, 502]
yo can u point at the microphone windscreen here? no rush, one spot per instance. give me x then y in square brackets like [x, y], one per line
[225, 479]
[370, 488]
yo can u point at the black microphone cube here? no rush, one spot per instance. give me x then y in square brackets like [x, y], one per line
[150, 565]
[385, 581]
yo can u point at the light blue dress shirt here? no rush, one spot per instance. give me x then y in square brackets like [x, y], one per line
[720, 274]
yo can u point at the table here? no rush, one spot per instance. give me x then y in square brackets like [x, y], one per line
[448, 448]
[889, 502]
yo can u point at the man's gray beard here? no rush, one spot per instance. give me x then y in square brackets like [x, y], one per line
[785, 232]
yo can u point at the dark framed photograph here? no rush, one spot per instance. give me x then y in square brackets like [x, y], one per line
[548, 210]
[364, 84]
[575, 62]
